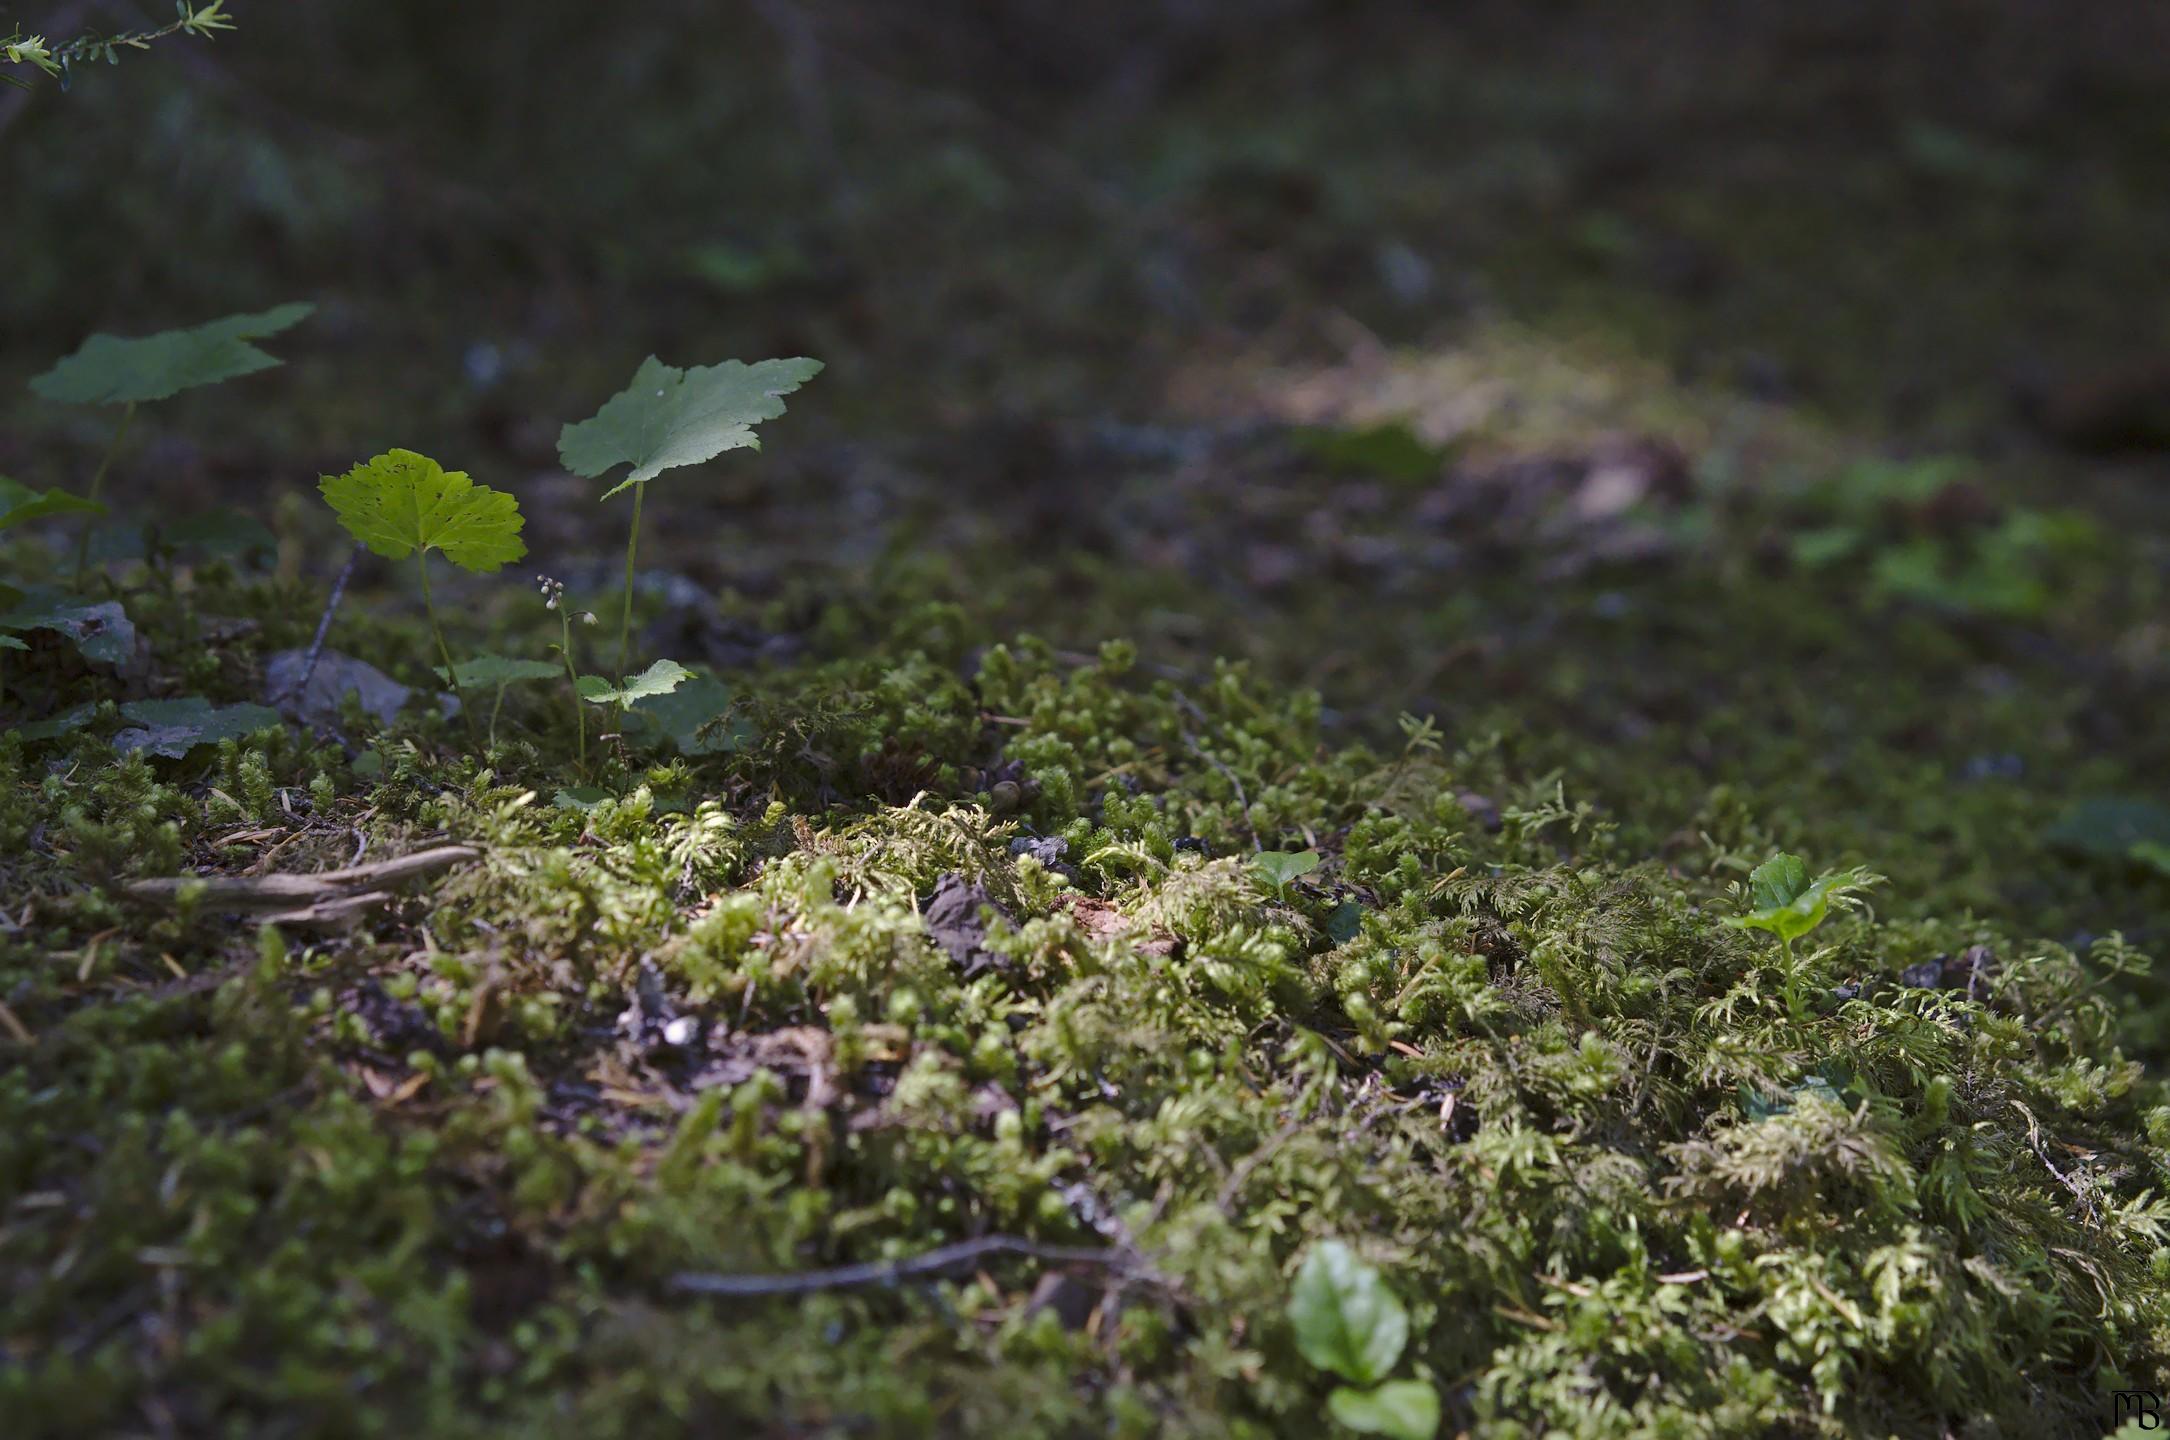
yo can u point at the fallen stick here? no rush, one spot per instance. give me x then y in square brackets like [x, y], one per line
[358, 886]
[889, 1272]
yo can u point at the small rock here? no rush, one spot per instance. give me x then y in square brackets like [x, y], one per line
[1928, 975]
[336, 676]
[953, 919]
[1047, 849]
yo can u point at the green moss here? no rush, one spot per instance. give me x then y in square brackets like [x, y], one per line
[435, 1177]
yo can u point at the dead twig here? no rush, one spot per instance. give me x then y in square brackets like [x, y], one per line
[890, 1272]
[328, 895]
[323, 625]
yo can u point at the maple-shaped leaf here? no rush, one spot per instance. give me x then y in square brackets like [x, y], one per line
[111, 370]
[669, 417]
[660, 678]
[401, 502]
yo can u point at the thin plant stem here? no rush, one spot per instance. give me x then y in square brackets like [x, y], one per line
[97, 484]
[421, 564]
[625, 624]
[572, 680]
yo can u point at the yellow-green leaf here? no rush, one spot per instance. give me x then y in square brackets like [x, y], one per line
[401, 502]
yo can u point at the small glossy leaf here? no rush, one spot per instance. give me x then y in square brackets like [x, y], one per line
[485, 671]
[174, 727]
[1787, 903]
[660, 678]
[1780, 880]
[10, 642]
[1399, 1409]
[102, 632]
[669, 417]
[19, 504]
[1279, 868]
[581, 797]
[400, 502]
[110, 370]
[1346, 1318]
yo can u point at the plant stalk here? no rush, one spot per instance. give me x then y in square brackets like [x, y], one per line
[572, 680]
[444, 651]
[625, 624]
[97, 484]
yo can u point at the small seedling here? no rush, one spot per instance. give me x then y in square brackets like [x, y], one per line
[1350, 1322]
[1788, 904]
[495, 672]
[670, 417]
[401, 503]
[1279, 869]
[660, 678]
[110, 370]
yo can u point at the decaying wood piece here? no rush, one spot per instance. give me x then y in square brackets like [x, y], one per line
[331, 897]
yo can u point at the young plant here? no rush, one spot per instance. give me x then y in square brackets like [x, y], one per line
[553, 592]
[1349, 1322]
[1279, 869]
[1789, 905]
[670, 417]
[400, 504]
[495, 672]
[660, 678]
[110, 370]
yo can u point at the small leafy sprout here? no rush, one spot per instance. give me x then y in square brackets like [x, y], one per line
[1788, 904]
[401, 503]
[669, 417]
[110, 370]
[495, 672]
[660, 678]
[1349, 1322]
[1279, 869]
[60, 61]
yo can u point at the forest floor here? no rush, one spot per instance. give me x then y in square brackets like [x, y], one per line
[1540, 476]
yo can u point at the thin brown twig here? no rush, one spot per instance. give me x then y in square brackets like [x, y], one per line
[890, 1272]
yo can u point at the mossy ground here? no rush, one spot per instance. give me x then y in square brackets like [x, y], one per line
[1684, 549]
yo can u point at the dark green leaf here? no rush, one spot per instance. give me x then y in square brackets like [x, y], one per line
[174, 727]
[669, 417]
[19, 504]
[485, 672]
[694, 717]
[109, 370]
[102, 632]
